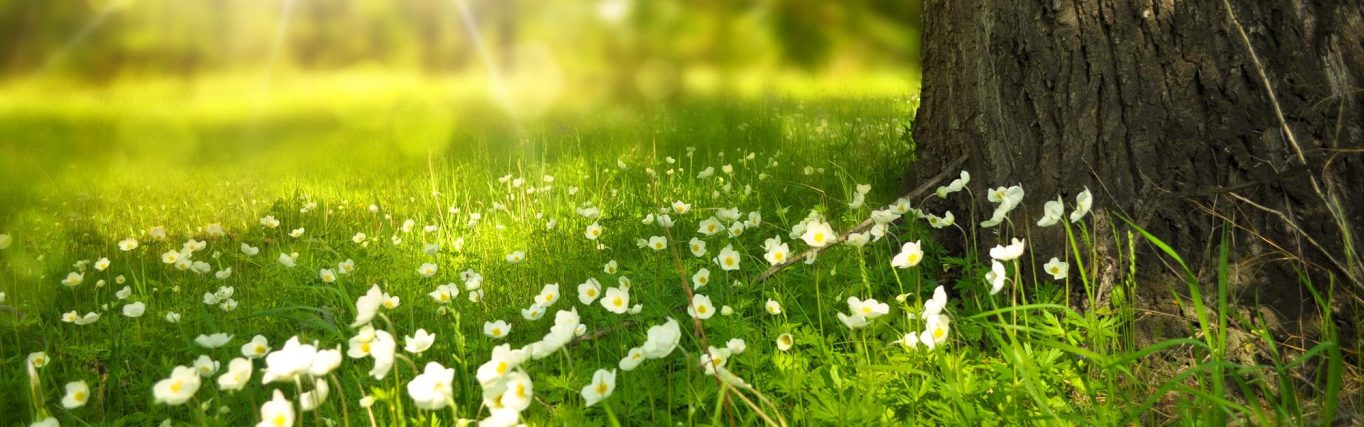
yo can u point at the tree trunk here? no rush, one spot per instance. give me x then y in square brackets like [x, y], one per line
[1176, 114]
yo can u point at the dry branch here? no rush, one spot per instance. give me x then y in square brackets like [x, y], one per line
[948, 170]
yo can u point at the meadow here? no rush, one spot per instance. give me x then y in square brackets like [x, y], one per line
[354, 251]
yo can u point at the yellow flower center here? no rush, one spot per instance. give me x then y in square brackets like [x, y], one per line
[497, 332]
[591, 293]
[617, 302]
[364, 347]
[176, 386]
[501, 368]
[601, 388]
[729, 262]
[79, 396]
[521, 390]
[779, 256]
[260, 349]
[280, 420]
[819, 237]
[938, 333]
[701, 309]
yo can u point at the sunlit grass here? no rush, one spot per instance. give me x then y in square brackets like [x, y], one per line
[343, 163]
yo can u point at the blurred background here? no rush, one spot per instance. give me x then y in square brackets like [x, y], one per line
[538, 49]
[118, 106]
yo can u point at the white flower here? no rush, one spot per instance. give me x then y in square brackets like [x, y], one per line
[935, 332]
[858, 240]
[77, 393]
[516, 257]
[632, 359]
[419, 342]
[249, 250]
[88, 318]
[534, 312]
[135, 309]
[996, 277]
[1083, 202]
[325, 361]
[785, 342]
[287, 363]
[611, 267]
[327, 276]
[603, 383]
[287, 260]
[520, 391]
[736, 345]
[818, 234]
[391, 301]
[206, 366]
[1056, 268]
[314, 398]
[662, 339]
[657, 243]
[777, 253]
[296, 233]
[212, 341]
[359, 238]
[909, 256]
[869, 308]
[728, 259]
[1007, 199]
[1008, 253]
[346, 267]
[954, 186]
[681, 208]
[593, 231]
[504, 360]
[73, 279]
[852, 322]
[427, 270]
[934, 306]
[382, 350]
[237, 375]
[589, 291]
[548, 295]
[177, 389]
[710, 226]
[173, 317]
[432, 389]
[698, 247]
[367, 306]
[268, 221]
[496, 329]
[714, 359]
[277, 412]
[701, 278]
[1051, 213]
[102, 264]
[127, 244]
[37, 359]
[701, 307]
[46, 422]
[444, 294]
[616, 300]
[773, 307]
[124, 293]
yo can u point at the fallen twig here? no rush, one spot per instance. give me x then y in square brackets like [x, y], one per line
[931, 183]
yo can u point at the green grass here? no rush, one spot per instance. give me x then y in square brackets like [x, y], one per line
[81, 172]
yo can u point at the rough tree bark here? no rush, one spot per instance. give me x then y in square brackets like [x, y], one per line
[1166, 110]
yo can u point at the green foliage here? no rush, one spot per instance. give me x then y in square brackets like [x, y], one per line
[1026, 355]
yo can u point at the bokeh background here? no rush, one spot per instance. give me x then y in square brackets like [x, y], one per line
[135, 112]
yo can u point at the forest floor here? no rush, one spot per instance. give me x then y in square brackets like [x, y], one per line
[551, 255]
